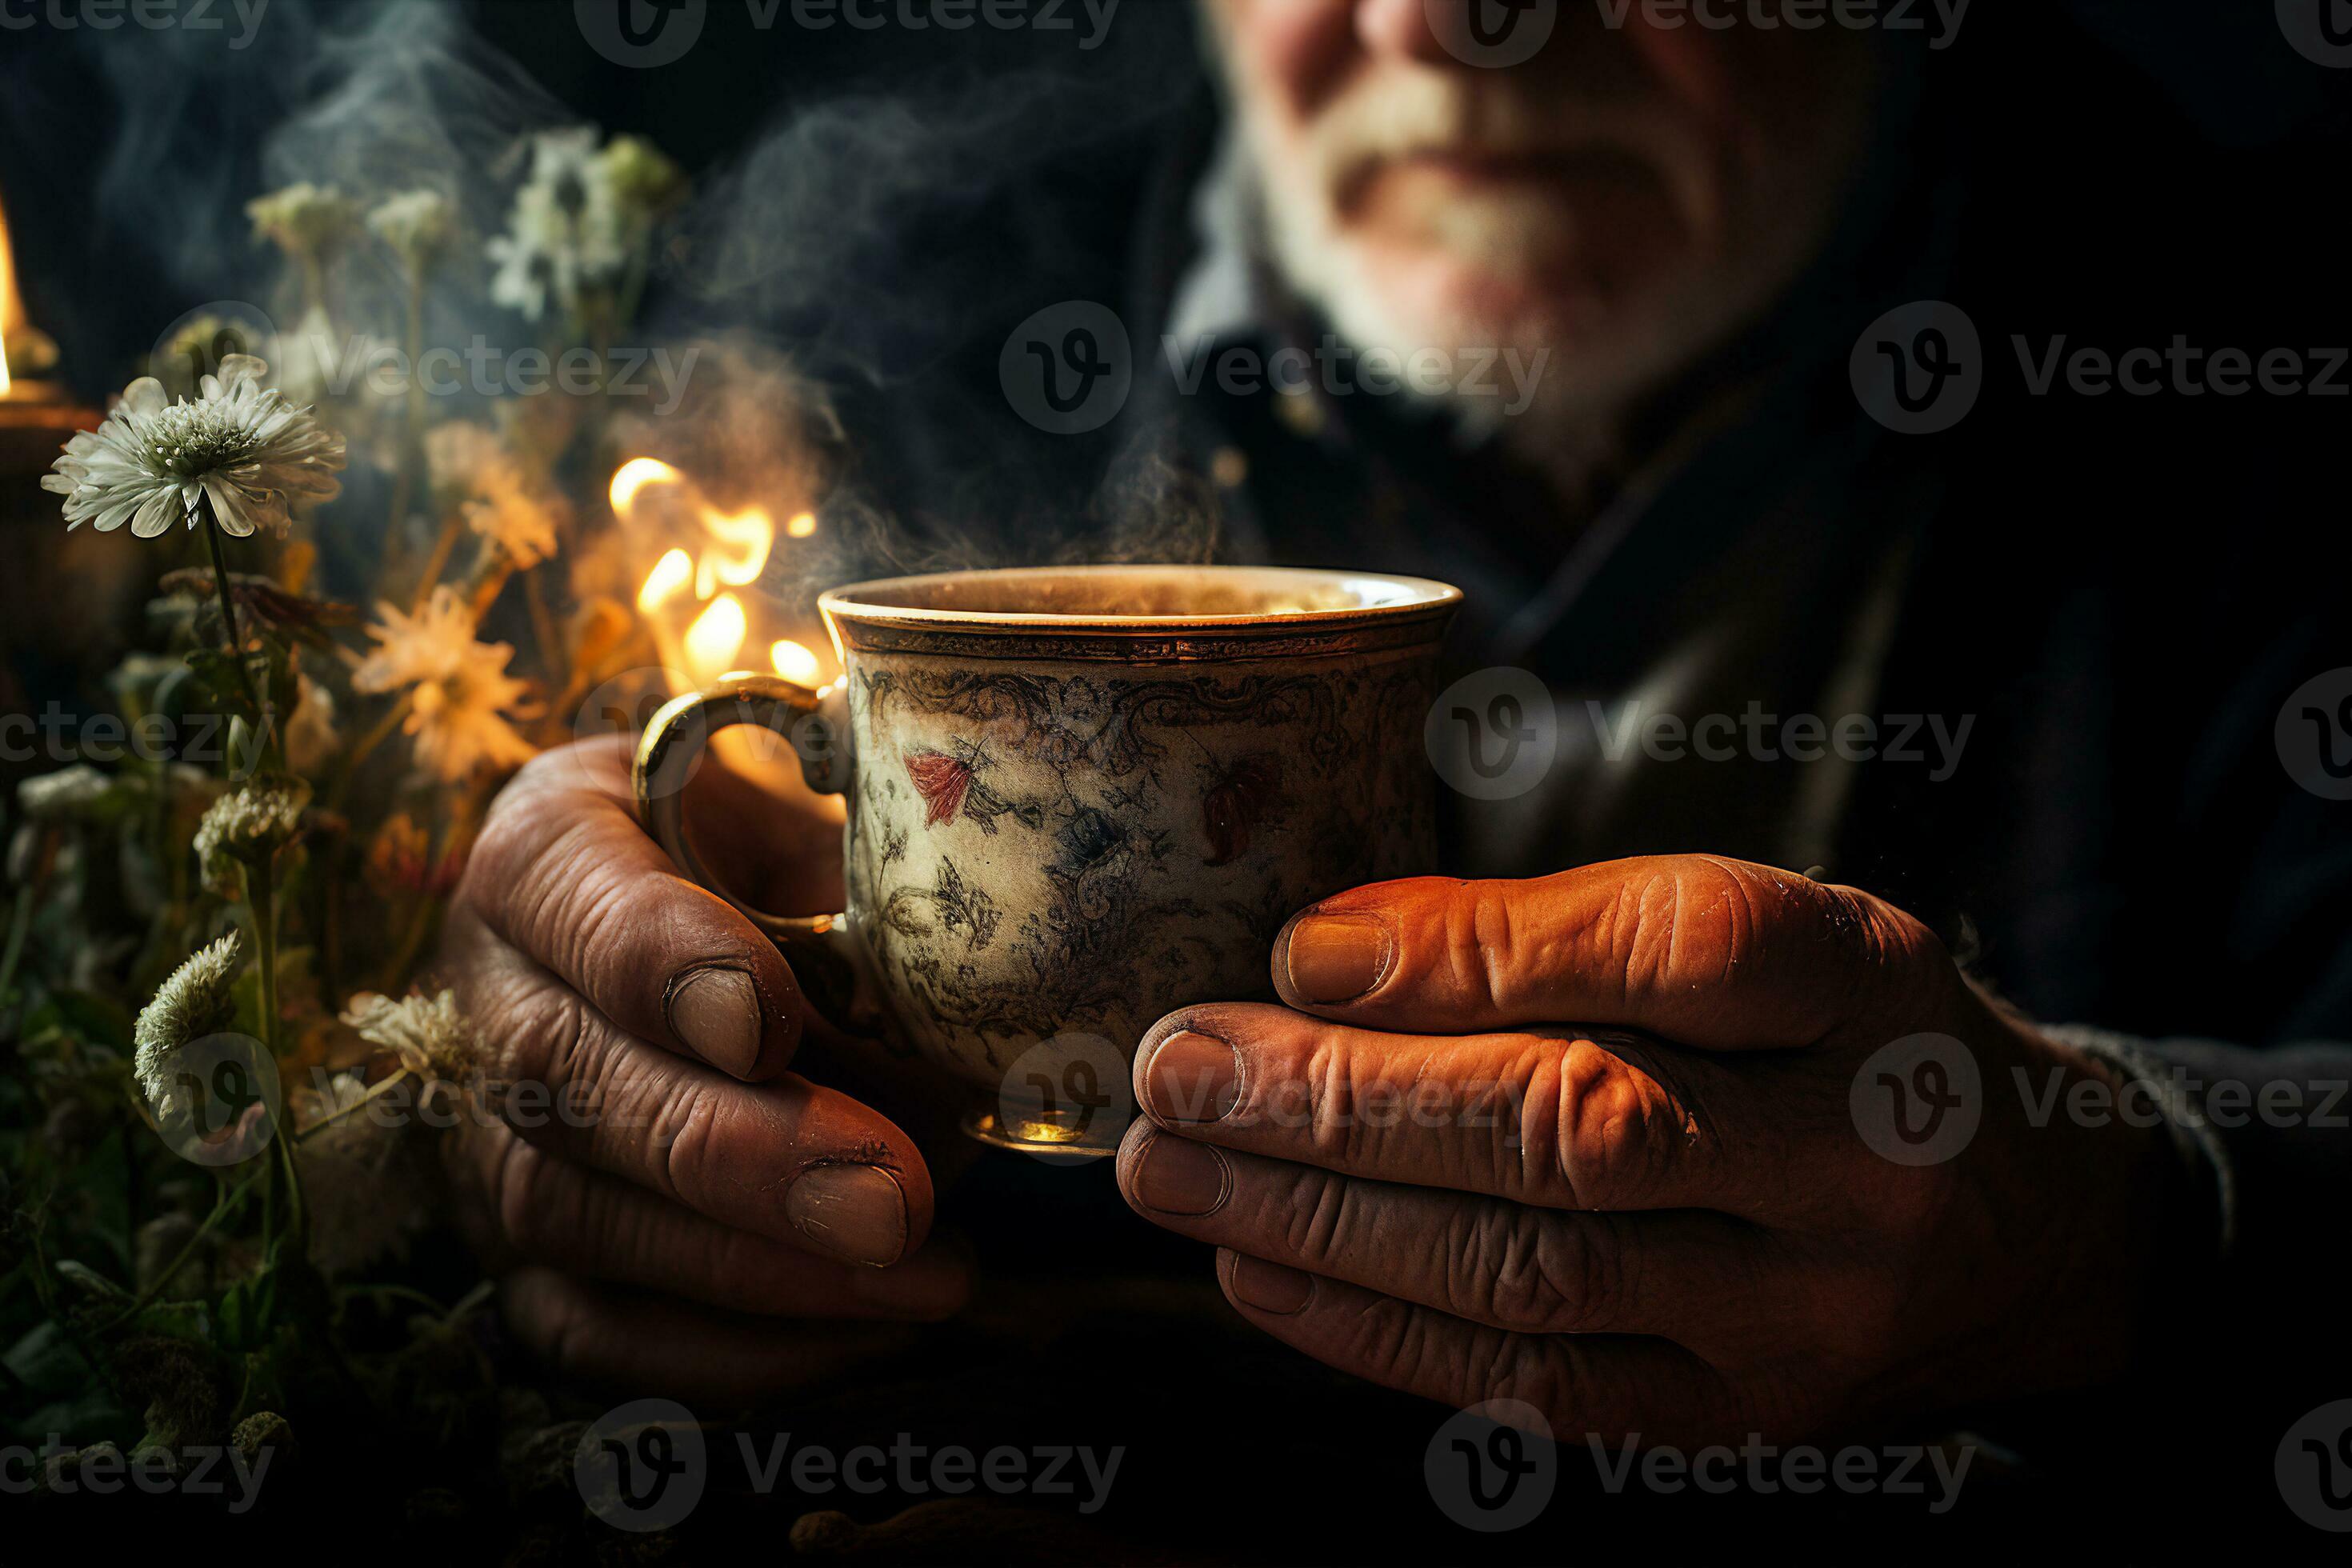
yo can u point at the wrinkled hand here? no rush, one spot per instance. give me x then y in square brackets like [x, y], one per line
[1433, 1174]
[658, 1183]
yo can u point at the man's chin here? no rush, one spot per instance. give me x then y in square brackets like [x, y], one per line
[1432, 297]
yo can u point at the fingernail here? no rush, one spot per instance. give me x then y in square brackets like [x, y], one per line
[715, 1012]
[1337, 958]
[1269, 1286]
[855, 1213]
[1192, 1079]
[1180, 1177]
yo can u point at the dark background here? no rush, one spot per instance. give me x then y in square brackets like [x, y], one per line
[107, 138]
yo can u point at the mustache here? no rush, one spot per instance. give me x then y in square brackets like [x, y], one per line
[1388, 121]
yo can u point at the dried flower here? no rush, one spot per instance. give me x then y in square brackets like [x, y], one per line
[645, 182]
[472, 470]
[305, 221]
[417, 224]
[400, 860]
[311, 735]
[63, 794]
[195, 1001]
[241, 445]
[427, 1033]
[460, 694]
[248, 825]
[359, 1215]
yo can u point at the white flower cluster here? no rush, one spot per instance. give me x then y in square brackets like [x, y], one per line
[249, 824]
[580, 220]
[194, 1002]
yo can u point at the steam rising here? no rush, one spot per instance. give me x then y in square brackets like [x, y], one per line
[865, 254]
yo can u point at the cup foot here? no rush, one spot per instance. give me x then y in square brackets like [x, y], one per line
[1054, 1136]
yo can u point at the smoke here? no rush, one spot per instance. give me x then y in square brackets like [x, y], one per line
[845, 278]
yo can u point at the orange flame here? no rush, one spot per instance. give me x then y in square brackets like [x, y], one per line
[11, 309]
[731, 551]
[795, 662]
[716, 637]
[736, 545]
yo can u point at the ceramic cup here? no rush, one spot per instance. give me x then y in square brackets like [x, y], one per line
[1079, 799]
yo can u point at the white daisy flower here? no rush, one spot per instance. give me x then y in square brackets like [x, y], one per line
[565, 234]
[581, 218]
[194, 1002]
[240, 445]
[460, 694]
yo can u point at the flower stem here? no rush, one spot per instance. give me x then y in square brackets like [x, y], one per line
[412, 439]
[229, 605]
[436, 563]
[261, 893]
[375, 1092]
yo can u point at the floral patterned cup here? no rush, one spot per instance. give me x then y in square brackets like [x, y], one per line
[1080, 797]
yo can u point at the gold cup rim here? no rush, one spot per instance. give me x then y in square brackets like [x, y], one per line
[1348, 600]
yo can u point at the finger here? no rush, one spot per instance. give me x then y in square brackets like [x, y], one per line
[565, 872]
[549, 1211]
[789, 1160]
[602, 1335]
[1605, 1384]
[1697, 949]
[1483, 1259]
[1557, 1121]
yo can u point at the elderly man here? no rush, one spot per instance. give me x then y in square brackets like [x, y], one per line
[1949, 663]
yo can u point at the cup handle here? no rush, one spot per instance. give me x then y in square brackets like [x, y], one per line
[821, 948]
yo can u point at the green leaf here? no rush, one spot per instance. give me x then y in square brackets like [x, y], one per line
[189, 1321]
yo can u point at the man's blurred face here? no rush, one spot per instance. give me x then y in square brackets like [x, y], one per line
[1622, 199]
